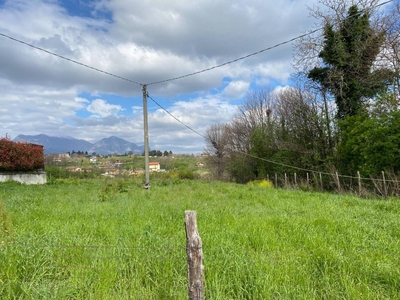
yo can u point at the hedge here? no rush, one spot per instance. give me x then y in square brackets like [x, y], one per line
[20, 156]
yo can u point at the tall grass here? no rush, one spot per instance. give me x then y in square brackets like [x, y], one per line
[112, 239]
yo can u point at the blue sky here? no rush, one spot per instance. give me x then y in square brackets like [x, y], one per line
[144, 42]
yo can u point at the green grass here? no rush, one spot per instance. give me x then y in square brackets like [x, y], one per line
[111, 239]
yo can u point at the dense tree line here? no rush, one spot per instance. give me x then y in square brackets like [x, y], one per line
[342, 112]
[158, 153]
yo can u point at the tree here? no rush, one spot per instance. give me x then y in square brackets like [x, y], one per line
[308, 46]
[371, 144]
[257, 110]
[389, 57]
[302, 131]
[348, 56]
[246, 135]
[284, 126]
[216, 142]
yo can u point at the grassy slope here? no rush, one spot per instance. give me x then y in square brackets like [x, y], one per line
[257, 243]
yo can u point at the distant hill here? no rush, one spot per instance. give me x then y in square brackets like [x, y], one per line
[52, 144]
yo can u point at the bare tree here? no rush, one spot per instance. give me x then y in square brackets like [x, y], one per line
[302, 127]
[257, 110]
[216, 143]
[306, 49]
[389, 57]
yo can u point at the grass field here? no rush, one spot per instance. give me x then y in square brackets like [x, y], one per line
[111, 239]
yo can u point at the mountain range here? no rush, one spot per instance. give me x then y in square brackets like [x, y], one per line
[106, 146]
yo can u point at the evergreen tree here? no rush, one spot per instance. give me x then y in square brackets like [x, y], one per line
[348, 56]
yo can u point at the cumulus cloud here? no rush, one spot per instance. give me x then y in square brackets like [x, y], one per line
[100, 108]
[184, 124]
[143, 42]
[236, 89]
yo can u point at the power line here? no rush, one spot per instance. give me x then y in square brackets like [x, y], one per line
[178, 77]
[191, 74]
[69, 59]
[260, 158]
[235, 60]
[188, 127]
[249, 55]
[247, 154]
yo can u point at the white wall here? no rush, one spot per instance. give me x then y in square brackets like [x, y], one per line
[34, 177]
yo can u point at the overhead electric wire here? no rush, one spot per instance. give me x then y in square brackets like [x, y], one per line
[178, 77]
[69, 59]
[234, 60]
[248, 55]
[260, 158]
[195, 73]
[188, 127]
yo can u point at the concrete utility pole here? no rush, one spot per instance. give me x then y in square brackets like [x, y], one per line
[146, 139]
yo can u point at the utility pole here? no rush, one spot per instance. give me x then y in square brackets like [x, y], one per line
[146, 139]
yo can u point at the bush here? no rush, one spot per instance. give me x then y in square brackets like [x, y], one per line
[20, 156]
[185, 174]
[262, 183]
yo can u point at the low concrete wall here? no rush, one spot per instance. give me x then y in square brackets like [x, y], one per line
[33, 177]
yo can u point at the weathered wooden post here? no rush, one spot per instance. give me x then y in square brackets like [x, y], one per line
[286, 183]
[320, 180]
[194, 252]
[338, 182]
[359, 183]
[385, 190]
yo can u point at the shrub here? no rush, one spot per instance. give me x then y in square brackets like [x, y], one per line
[20, 156]
[185, 174]
[262, 183]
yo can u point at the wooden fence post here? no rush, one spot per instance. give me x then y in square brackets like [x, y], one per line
[295, 179]
[359, 183]
[286, 184]
[320, 179]
[338, 182]
[194, 252]
[384, 184]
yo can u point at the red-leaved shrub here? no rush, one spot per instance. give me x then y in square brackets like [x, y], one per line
[20, 156]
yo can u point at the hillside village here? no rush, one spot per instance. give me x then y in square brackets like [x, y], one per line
[82, 165]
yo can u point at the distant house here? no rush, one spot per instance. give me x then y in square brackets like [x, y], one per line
[58, 157]
[154, 166]
[74, 169]
[93, 159]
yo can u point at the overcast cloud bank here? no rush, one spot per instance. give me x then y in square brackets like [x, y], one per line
[144, 42]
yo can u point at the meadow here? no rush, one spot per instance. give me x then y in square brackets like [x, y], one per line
[112, 239]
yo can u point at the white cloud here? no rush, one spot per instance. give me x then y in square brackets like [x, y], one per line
[236, 89]
[101, 108]
[147, 41]
[194, 116]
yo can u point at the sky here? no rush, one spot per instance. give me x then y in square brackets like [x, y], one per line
[141, 42]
